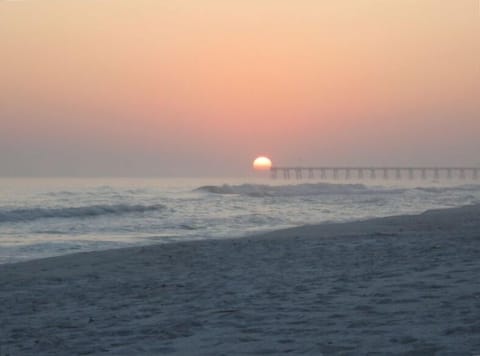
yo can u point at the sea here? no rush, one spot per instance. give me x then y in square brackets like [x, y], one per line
[43, 217]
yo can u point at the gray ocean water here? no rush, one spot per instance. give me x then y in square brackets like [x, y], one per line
[48, 217]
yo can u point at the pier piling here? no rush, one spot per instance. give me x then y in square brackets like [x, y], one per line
[345, 172]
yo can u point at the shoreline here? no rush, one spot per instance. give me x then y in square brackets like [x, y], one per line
[325, 229]
[400, 284]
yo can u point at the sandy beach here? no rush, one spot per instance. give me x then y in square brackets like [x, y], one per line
[399, 285]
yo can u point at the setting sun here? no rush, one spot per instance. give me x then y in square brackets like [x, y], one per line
[262, 163]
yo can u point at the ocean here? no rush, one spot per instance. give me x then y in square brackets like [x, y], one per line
[49, 217]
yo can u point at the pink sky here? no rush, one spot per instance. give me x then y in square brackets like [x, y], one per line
[182, 88]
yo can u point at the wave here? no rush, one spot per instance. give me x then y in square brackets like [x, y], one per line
[263, 190]
[29, 214]
[461, 188]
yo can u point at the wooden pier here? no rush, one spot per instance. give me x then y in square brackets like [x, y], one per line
[373, 172]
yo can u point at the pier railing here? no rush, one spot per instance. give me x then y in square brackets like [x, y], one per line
[372, 172]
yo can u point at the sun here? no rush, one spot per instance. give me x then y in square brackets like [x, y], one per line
[262, 163]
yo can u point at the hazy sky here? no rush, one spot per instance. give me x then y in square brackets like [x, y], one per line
[189, 87]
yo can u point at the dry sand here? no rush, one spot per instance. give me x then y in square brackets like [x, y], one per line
[401, 285]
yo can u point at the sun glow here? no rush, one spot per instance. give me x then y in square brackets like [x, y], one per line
[262, 163]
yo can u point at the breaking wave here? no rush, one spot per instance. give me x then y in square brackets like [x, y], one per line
[458, 188]
[260, 190]
[264, 190]
[18, 215]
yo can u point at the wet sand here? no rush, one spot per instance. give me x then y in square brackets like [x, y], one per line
[400, 285]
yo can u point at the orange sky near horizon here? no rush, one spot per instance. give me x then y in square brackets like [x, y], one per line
[108, 87]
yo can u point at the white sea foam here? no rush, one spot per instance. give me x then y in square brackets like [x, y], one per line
[263, 190]
[105, 212]
[29, 214]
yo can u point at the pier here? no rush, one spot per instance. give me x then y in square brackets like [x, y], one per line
[373, 172]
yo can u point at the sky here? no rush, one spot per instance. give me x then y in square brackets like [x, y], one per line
[200, 88]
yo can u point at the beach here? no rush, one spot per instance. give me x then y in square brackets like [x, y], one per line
[397, 285]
